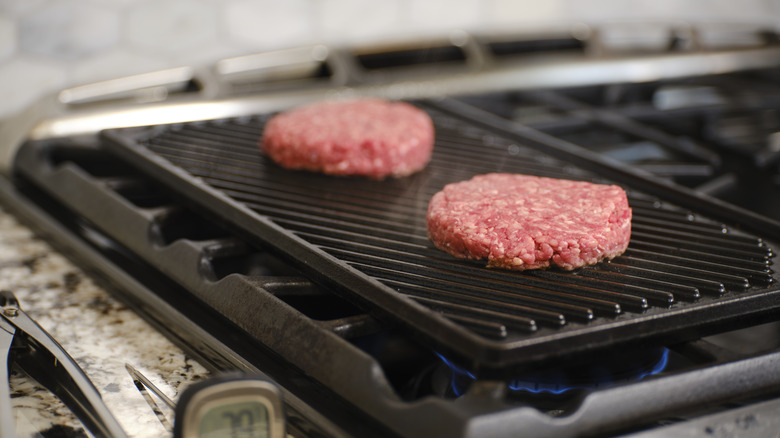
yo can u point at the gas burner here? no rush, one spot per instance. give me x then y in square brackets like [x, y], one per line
[606, 370]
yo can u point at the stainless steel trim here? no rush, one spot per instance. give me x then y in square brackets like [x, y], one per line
[517, 76]
[58, 120]
[153, 86]
[297, 63]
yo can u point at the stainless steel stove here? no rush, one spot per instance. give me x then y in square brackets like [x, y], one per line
[329, 286]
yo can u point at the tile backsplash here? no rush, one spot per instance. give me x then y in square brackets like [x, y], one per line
[46, 45]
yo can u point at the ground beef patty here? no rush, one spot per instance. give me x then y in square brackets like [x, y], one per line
[527, 222]
[367, 137]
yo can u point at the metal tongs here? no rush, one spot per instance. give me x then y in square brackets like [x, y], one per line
[26, 343]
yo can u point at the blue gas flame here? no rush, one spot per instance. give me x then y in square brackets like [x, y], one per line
[544, 385]
[456, 373]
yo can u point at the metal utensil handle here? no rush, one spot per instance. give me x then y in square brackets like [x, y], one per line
[7, 422]
[48, 363]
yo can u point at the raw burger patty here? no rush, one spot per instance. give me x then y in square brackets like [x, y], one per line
[369, 137]
[527, 222]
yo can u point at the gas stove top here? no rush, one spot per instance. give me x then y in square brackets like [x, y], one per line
[714, 134]
[330, 288]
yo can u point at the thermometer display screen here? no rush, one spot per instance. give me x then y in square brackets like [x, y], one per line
[245, 419]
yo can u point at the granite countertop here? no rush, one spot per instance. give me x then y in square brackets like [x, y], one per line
[99, 332]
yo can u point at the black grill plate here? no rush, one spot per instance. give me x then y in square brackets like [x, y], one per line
[366, 240]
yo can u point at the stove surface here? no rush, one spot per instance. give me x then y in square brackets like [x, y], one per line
[189, 217]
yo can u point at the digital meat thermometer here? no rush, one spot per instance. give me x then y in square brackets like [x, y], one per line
[229, 405]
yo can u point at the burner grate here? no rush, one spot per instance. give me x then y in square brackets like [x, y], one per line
[681, 267]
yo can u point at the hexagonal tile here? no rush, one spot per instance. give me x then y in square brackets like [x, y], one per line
[115, 64]
[437, 16]
[15, 8]
[270, 24]
[68, 30]
[512, 13]
[208, 54]
[356, 20]
[7, 38]
[697, 11]
[169, 26]
[23, 81]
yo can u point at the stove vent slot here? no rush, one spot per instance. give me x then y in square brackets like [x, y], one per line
[519, 48]
[734, 36]
[411, 55]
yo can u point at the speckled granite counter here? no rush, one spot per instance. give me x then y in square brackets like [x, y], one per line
[100, 333]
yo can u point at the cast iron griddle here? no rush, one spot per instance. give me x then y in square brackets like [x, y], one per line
[366, 240]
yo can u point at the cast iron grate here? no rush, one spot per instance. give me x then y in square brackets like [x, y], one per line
[680, 265]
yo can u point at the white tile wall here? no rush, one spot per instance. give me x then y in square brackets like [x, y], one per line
[170, 27]
[433, 16]
[357, 20]
[68, 31]
[24, 78]
[7, 38]
[268, 24]
[49, 44]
